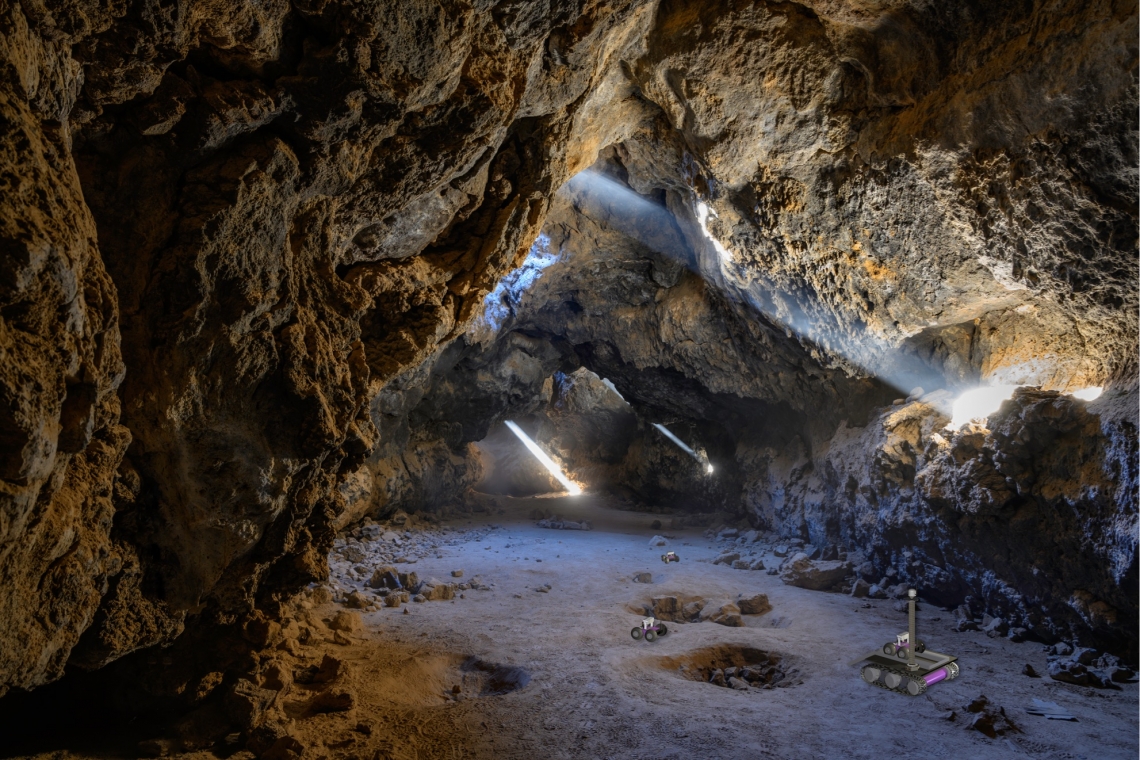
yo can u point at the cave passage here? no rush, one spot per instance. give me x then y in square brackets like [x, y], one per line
[507, 378]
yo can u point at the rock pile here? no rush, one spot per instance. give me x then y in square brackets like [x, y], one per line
[756, 676]
[989, 718]
[363, 563]
[1084, 666]
[557, 523]
[695, 609]
[798, 563]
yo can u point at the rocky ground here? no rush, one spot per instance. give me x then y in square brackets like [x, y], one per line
[514, 640]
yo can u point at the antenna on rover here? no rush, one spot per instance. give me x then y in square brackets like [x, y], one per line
[910, 663]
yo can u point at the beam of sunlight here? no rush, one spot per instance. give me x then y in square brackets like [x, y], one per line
[814, 323]
[655, 226]
[703, 214]
[703, 460]
[608, 201]
[503, 301]
[832, 332]
[978, 404]
[1088, 394]
[547, 462]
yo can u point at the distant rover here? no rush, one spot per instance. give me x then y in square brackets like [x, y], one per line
[649, 629]
[922, 668]
[668, 557]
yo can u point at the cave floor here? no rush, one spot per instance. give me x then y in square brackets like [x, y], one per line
[594, 692]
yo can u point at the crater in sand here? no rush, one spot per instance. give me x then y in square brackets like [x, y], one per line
[437, 678]
[733, 666]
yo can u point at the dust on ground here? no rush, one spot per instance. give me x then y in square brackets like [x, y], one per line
[558, 611]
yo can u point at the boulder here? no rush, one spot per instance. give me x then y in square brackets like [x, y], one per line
[665, 607]
[727, 558]
[989, 719]
[435, 590]
[726, 614]
[337, 699]
[756, 604]
[277, 676]
[246, 702]
[996, 627]
[385, 576]
[692, 610]
[346, 621]
[860, 588]
[815, 575]
[357, 601]
[330, 670]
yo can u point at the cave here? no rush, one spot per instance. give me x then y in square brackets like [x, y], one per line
[501, 378]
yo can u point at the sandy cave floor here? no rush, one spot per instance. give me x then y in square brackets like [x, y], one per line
[596, 693]
[591, 691]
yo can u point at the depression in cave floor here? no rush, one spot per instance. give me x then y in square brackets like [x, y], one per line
[539, 659]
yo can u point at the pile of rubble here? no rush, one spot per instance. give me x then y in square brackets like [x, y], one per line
[763, 675]
[362, 563]
[1084, 666]
[695, 609]
[821, 568]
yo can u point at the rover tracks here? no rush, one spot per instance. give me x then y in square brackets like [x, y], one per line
[884, 676]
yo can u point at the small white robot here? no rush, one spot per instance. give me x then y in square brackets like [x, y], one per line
[649, 629]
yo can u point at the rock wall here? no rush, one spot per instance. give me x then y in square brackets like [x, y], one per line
[247, 246]
[269, 211]
[1031, 517]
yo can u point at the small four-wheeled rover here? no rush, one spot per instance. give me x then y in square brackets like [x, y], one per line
[649, 630]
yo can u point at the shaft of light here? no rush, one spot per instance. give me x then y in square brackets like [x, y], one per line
[978, 404]
[547, 462]
[668, 434]
[704, 211]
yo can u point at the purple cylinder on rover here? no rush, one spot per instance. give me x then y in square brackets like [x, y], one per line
[935, 676]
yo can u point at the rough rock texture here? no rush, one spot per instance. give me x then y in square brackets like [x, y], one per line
[261, 182]
[253, 261]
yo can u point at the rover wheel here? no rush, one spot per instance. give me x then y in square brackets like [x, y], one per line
[871, 673]
[888, 649]
[920, 647]
[892, 680]
[636, 634]
[901, 653]
[662, 630]
[650, 636]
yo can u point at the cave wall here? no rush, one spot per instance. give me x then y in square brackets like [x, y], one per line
[244, 244]
[236, 199]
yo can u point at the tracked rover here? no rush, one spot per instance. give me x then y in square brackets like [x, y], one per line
[905, 665]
